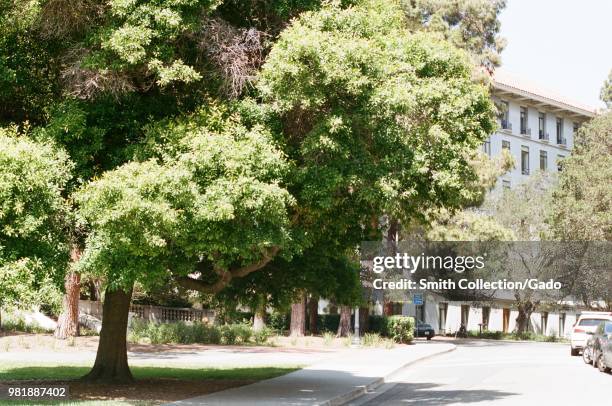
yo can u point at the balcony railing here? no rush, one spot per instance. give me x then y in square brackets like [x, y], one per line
[561, 140]
[526, 132]
[506, 125]
[543, 136]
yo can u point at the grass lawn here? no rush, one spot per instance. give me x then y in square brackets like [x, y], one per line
[154, 385]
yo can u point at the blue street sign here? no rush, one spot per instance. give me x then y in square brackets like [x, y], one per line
[417, 299]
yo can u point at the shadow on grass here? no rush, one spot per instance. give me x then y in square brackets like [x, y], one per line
[55, 373]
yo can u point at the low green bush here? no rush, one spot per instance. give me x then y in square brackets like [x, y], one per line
[189, 333]
[491, 335]
[14, 324]
[328, 322]
[377, 324]
[261, 336]
[279, 322]
[400, 329]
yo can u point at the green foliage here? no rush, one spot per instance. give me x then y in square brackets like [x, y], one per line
[400, 329]
[14, 324]
[142, 34]
[279, 321]
[523, 336]
[328, 322]
[351, 87]
[190, 333]
[266, 15]
[468, 24]
[525, 209]
[582, 201]
[33, 240]
[148, 217]
[262, 336]
[377, 324]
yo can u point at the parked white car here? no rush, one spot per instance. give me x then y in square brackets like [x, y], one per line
[587, 322]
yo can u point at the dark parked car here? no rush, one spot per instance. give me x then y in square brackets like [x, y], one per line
[424, 330]
[602, 347]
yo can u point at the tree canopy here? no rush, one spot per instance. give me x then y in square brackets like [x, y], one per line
[33, 216]
[582, 202]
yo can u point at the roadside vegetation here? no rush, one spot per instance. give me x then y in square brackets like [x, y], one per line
[524, 336]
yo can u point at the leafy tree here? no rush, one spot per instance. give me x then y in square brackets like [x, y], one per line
[581, 205]
[217, 209]
[33, 241]
[468, 24]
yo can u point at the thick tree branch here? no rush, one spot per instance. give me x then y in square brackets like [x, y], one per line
[225, 276]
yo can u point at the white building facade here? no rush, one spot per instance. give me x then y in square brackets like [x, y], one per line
[535, 125]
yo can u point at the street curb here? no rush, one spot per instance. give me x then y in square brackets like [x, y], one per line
[362, 390]
[511, 341]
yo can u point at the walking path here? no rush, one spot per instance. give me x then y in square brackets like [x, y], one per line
[332, 381]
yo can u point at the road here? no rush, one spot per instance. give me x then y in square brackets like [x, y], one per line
[498, 373]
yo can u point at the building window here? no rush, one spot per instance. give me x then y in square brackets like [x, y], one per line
[505, 115]
[524, 115]
[560, 162]
[486, 147]
[543, 160]
[506, 184]
[506, 145]
[560, 138]
[525, 160]
[542, 126]
[576, 128]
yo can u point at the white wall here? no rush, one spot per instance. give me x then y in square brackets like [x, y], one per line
[533, 143]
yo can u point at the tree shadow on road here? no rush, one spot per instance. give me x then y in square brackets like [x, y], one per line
[427, 394]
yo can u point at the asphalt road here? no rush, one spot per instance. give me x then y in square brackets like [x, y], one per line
[485, 372]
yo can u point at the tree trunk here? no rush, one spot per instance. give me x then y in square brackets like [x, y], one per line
[298, 318]
[68, 322]
[364, 319]
[313, 313]
[259, 318]
[344, 327]
[111, 364]
[524, 315]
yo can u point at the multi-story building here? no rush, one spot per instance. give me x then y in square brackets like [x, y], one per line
[535, 125]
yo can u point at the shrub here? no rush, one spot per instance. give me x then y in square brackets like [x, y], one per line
[244, 332]
[400, 329]
[377, 324]
[229, 334]
[492, 335]
[328, 322]
[279, 322]
[261, 337]
[13, 324]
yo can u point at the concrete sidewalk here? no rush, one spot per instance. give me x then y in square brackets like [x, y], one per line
[333, 381]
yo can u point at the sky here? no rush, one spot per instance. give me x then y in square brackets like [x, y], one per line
[562, 45]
